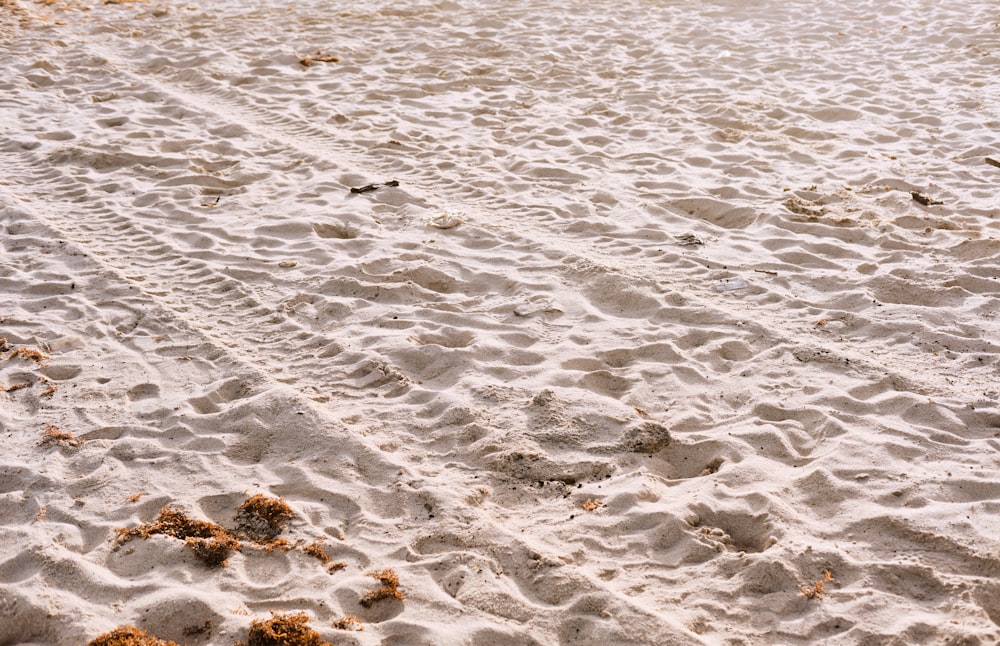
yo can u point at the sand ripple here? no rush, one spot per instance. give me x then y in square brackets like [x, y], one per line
[639, 331]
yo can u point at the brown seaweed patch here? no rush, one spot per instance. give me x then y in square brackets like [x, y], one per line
[259, 521]
[389, 590]
[213, 551]
[262, 518]
[52, 435]
[315, 550]
[283, 630]
[280, 544]
[210, 542]
[128, 636]
[28, 353]
[16, 386]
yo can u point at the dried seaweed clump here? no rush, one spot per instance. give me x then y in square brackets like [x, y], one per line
[261, 518]
[128, 636]
[28, 353]
[389, 590]
[210, 542]
[280, 544]
[213, 551]
[283, 630]
[349, 622]
[52, 435]
[315, 550]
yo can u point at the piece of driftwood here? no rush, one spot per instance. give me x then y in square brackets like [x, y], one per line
[923, 199]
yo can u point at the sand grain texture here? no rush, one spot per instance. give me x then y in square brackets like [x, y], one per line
[650, 336]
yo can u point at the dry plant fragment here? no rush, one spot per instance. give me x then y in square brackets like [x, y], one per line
[336, 567]
[283, 630]
[52, 435]
[348, 622]
[390, 590]
[262, 518]
[816, 591]
[135, 497]
[128, 636]
[592, 504]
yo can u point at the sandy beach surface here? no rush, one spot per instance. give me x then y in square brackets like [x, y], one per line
[646, 322]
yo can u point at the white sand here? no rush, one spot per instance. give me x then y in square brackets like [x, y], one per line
[814, 387]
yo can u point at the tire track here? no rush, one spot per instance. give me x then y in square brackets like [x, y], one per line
[225, 309]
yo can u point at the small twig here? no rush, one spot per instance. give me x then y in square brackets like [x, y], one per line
[766, 271]
[367, 188]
